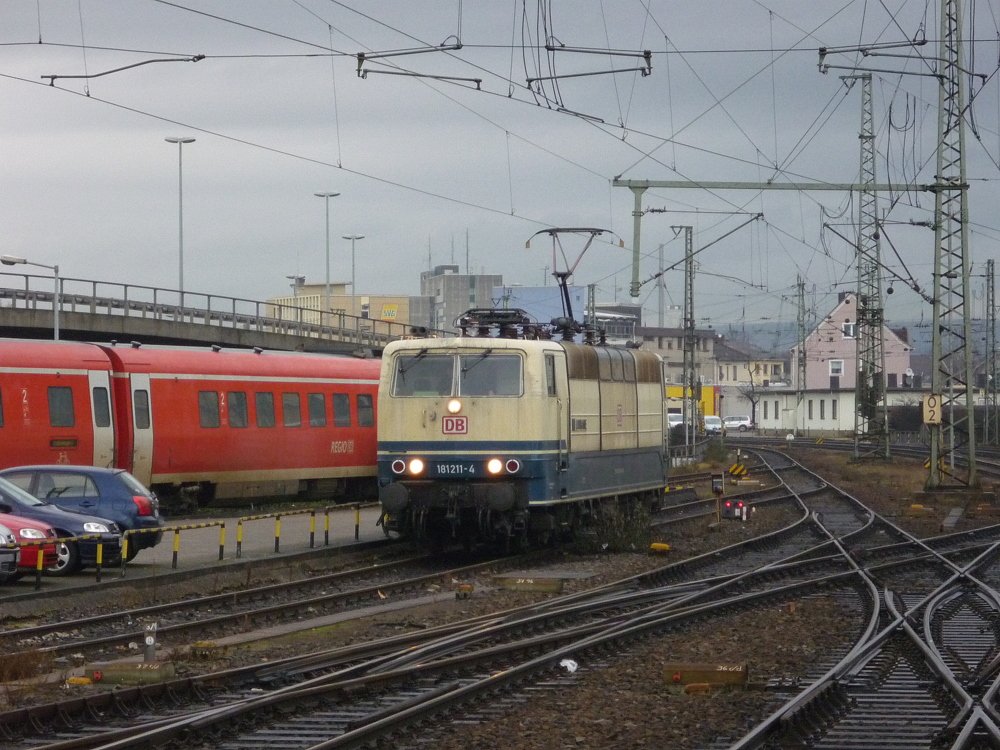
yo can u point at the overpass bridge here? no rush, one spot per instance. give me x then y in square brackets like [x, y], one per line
[90, 310]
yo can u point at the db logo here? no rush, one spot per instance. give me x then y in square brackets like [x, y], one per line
[454, 425]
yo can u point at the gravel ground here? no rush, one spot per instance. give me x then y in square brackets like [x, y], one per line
[628, 701]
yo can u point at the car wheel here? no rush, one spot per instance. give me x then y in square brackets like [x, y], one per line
[67, 560]
[743, 428]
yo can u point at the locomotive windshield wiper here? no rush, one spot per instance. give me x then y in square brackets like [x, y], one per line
[419, 355]
[479, 359]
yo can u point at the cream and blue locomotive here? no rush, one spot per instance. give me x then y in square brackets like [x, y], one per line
[508, 436]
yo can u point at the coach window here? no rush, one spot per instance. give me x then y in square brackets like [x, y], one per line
[140, 407]
[291, 410]
[341, 410]
[208, 409]
[61, 406]
[366, 411]
[238, 409]
[102, 407]
[317, 409]
[265, 409]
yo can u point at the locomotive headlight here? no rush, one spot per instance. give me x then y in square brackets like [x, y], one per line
[398, 466]
[454, 406]
[416, 466]
[494, 466]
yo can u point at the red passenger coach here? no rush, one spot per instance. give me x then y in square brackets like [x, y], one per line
[209, 425]
[195, 425]
[55, 404]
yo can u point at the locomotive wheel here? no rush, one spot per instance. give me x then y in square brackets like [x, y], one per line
[67, 560]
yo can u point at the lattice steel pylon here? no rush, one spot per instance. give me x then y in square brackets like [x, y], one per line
[951, 343]
[800, 355]
[690, 337]
[871, 418]
[991, 424]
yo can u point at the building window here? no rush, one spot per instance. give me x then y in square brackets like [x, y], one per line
[765, 410]
[850, 329]
[822, 408]
[836, 367]
[810, 409]
[833, 408]
[775, 408]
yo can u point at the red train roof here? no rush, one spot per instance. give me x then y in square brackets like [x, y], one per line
[190, 360]
[67, 355]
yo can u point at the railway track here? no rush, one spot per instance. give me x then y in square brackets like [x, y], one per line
[919, 637]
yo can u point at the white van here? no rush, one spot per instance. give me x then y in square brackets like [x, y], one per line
[714, 425]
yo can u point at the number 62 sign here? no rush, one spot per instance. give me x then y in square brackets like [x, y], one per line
[932, 409]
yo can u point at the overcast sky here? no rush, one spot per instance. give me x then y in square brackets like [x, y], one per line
[435, 170]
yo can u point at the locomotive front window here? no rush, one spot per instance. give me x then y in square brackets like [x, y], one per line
[488, 374]
[423, 375]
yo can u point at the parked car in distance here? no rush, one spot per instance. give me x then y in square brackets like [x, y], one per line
[674, 419]
[742, 424]
[32, 535]
[109, 493]
[9, 554]
[71, 556]
[714, 425]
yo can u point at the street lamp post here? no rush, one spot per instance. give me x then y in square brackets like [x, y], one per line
[12, 260]
[326, 294]
[352, 238]
[180, 204]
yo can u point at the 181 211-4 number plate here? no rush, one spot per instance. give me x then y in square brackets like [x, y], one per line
[455, 469]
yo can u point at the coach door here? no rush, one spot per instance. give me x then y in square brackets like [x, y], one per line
[103, 425]
[142, 429]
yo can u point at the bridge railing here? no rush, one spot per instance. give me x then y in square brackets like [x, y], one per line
[34, 292]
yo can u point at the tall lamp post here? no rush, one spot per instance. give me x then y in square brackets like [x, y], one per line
[352, 238]
[12, 260]
[326, 294]
[180, 204]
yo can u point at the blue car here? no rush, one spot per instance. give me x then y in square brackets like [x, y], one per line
[71, 555]
[109, 493]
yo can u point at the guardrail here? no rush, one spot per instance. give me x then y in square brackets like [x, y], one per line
[33, 292]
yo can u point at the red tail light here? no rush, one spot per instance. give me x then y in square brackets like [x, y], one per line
[144, 504]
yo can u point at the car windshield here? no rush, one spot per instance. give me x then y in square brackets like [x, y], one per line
[12, 490]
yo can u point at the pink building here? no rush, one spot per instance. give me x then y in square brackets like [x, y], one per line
[832, 351]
